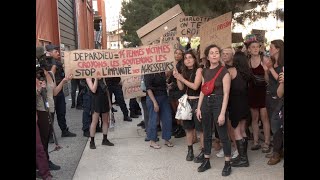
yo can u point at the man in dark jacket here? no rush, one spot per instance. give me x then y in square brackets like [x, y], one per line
[59, 100]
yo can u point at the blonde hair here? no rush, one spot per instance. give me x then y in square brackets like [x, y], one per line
[232, 50]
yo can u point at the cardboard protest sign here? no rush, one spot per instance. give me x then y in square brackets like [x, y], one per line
[119, 62]
[237, 37]
[160, 25]
[216, 31]
[170, 38]
[189, 26]
[131, 87]
[260, 34]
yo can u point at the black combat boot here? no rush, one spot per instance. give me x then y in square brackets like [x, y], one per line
[242, 161]
[190, 155]
[181, 133]
[200, 157]
[105, 141]
[226, 171]
[92, 144]
[205, 165]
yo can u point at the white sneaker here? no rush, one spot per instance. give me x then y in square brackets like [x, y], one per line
[220, 154]
[235, 154]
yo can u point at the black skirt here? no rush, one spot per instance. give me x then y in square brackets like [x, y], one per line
[100, 103]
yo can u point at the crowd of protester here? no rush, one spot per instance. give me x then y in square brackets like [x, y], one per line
[247, 98]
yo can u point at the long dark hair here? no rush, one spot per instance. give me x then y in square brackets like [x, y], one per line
[184, 68]
[181, 53]
[206, 53]
[240, 62]
[279, 44]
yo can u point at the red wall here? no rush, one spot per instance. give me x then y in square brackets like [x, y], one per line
[85, 25]
[47, 21]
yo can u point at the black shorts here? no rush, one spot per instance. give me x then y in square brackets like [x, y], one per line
[175, 95]
[194, 123]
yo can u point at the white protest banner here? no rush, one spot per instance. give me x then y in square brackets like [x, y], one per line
[119, 62]
[216, 31]
[189, 26]
[170, 38]
[131, 87]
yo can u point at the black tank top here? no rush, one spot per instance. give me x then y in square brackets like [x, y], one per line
[239, 86]
[191, 75]
[208, 74]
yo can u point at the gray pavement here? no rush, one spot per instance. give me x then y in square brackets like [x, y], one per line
[72, 147]
[132, 158]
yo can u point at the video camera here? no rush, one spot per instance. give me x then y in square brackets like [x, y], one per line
[43, 62]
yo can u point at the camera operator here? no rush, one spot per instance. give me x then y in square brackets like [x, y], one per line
[59, 99]
[46, 89]
[41, 156]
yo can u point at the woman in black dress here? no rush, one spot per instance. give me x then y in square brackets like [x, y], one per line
[100, 104]
[239, 105]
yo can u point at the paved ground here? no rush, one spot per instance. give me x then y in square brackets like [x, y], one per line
[72, 147]
[132, 158]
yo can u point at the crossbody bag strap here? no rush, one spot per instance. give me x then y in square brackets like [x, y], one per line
[52, 76]
[189, 81]
[216, 76]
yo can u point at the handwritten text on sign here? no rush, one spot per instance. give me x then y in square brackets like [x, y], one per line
[170, 38]
[120, 62]
[216, 31]
[189, 26]
[131, 87]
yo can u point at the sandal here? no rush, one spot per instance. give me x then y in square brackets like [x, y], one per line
[255, 147]
[169, 144]
[155, 146]
[266, 148]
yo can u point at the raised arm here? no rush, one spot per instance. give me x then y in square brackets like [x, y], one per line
[59, 87]
[280, 90]
[193, 85]
[92, 86]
